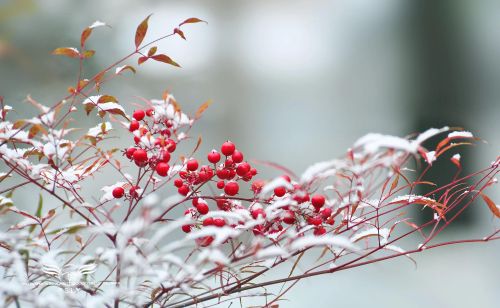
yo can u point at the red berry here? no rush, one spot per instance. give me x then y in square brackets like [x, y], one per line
[192, 164]
[165, 156]
[257, 186]
[213, 157]
[133, 191]
[171, 146]
[162, 169]
[186, 228]
[319, 231]
[287, 178]
[139, 114]
[178, 183]
[150, 112]
[208, 221]
[227, 148]
[220, 184]
[140, 156]
[231, 188]
[134, 125]
[183, 190]
[204, 241]
[318, 201]
[243, 169]
[130, 152]
[289, 217]
[258, 212]
[253, 171]
[118, 192]
[316, 220]
[219, 222]
[280, 191]
[326, 212]
[237, 156]
[202, 208]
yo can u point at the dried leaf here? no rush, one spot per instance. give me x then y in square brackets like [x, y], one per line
[492, 206]
[141, 31]
[152, 51]
[88, 53]
[202, 108]
[191, 20]
[165, 59]
[66, 51]
[180, 33]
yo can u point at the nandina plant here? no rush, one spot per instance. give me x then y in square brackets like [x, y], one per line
[222, 228]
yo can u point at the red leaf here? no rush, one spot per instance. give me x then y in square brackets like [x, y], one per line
[142, 60]
[165, 59]
[140, 33]
[119, 70]
[66, 51]
[179, 32]
[191, 20]
[493, 207]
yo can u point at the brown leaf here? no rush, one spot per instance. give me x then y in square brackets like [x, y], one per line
[140, 33]
[180, 33]
[202, 108]
[165, 59]
[85, 35]
[106, 99]
[191, 20]
[88, 53]
[493, 207]
[152, 51]
[66, 51]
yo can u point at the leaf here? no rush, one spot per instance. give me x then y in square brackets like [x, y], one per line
[125, 67]
[142, 60]
[202, 108]
[141, 31]
[191, 20]
[87, 31]
[106, 99]
[493, 207]
[67, 51]
[180, 33]
[88, 53]
[394, 183]
[296, 263]
[38, 212]
[165, 59]
[152, 51]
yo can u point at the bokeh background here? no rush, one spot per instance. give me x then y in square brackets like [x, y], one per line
[298, 82]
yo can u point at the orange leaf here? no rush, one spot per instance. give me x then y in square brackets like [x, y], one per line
[125, 67]
[191, 20]
[140, 33]
[88, 53]
[493, 207]
[66, 51]
[202, 108]
[165, 59]
[85, 35]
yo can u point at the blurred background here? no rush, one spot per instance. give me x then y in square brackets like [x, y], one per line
[296, 83]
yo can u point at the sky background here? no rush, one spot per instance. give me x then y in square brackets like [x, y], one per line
[298, 82]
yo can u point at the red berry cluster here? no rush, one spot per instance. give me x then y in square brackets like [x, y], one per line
[227, 170]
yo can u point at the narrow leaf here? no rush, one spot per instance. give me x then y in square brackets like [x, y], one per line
[66, 51]
[202, 108]
[191, 20]
[165, 59]
[493, 207]
[141, 31]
